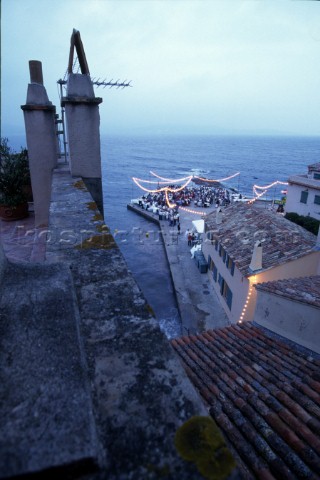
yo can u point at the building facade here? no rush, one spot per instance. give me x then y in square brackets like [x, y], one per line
[303, 195]
[291, 308]
[252, 246]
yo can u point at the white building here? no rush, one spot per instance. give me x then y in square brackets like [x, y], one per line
[291, 308]
[245, 245]
[303, 195]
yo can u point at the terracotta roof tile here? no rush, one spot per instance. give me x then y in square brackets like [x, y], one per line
[263, 392]
[303, 289]
[242, 225]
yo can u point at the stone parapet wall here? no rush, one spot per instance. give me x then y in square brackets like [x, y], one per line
[140, 393]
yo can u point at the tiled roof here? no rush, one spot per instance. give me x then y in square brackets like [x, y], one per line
[264, 394]
[303, 289]
[304, 181]
[242, 225]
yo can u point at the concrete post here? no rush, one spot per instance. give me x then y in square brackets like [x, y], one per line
[83, 127]
[39, 117]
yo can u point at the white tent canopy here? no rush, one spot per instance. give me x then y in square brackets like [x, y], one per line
[198, 225]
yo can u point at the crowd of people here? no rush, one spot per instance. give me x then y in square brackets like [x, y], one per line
[198, 196]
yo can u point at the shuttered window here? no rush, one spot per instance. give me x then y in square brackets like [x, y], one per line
[304, 197]
[215, 273]
[229, 298]
[225, 291]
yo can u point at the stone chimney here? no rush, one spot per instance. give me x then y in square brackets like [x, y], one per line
[219, 216]
[256, 260]
[39, 118]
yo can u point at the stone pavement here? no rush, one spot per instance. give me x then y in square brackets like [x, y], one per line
[198, 304]
[21, 241]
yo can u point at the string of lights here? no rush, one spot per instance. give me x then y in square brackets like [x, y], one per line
[257, 196]
[170, 180]
[170, 205]
[192, 211]
[246, 304]
[162, 189]
[266, 187]
[195, 176]
[219, 179]
[188, 179]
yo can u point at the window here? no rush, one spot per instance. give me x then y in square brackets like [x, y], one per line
[304, 197]
[215, 273]
[225, 291]
[230, 264]
[317, 199]
[216, 244]
[209, 262]
[222, 252]
[316, 176]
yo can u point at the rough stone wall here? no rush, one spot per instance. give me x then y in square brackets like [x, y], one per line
[140, 392]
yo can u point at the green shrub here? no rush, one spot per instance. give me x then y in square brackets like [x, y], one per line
[309, 223]
[14, 175]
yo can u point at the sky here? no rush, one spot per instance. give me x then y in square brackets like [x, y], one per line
[196, 66]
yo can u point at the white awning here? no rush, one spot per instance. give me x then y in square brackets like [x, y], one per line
[198, 225]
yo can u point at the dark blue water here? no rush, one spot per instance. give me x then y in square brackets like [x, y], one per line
[261, 160]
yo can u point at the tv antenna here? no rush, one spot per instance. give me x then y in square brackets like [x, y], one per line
[75, 65]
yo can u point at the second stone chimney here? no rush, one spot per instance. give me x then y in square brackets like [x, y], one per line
[256, 260]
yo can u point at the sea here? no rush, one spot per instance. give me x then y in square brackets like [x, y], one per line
[261, 160]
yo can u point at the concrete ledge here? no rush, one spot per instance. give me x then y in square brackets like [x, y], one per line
[79, 100]
[46, 422]
[50, 108]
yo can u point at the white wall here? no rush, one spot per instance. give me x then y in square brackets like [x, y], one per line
[238, 284]
[293, 203]
[241, 286]
[294, 320]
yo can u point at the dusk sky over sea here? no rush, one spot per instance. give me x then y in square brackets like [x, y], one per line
[196, 66]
